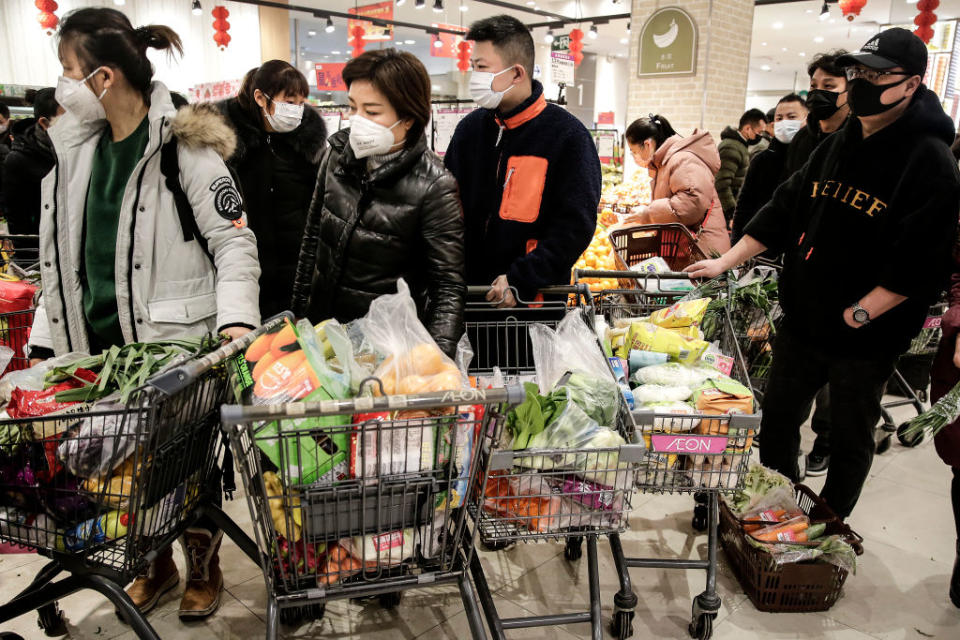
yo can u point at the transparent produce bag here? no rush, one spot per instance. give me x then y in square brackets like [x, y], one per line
[411, 362]
[97, 444]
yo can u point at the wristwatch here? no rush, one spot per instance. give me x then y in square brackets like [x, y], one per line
[860, 315]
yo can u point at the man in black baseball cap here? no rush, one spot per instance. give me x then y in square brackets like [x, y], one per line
[866, 228]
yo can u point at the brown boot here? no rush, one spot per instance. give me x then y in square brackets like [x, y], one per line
[159, 578]
[204, 580]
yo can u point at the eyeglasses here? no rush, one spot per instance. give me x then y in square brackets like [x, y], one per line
[870, 75]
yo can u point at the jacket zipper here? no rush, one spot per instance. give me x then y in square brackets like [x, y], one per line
[133, 229]
[56, 233]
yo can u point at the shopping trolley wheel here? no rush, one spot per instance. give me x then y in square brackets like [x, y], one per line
[621, 627]
[391, 600]
[701, 627]
[497, 545]
[884, 445]
[908, 440]
[294, 616]
[50, 619]
[699, 522]
[9, 635]
[573, 550]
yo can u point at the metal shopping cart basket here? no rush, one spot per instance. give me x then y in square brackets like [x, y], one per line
[166, 441]
[705, 455]
[366, 500]
[20, 256]
[672, 242]
[580, 493]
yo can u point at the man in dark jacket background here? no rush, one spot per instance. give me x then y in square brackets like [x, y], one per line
[735, 157]
[889, 180]
[30, 159]
[528, 171]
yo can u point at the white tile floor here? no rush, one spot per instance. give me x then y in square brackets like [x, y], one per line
[899, 592]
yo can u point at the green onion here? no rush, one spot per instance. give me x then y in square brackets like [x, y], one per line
[944, 412]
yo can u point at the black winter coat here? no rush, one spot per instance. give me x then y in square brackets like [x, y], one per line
[365, 231]
[30, 159]
[763, 178]
[277, 173]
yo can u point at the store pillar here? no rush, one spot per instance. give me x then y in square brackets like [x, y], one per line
[275, 33]
[695, 81]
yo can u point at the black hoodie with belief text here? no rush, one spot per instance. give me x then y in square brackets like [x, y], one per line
[862, 213]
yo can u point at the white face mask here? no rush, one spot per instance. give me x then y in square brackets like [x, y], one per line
[286, 117]
[785, 130]
[77, 98]
[368, 138]
[481, 88]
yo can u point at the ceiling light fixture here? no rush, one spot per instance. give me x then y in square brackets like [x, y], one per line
[336, 53]
[593, 32]
[437, 43]
[329, 28]
[400, 3]
[549, 37]
[825, 11]
[463, 7]
[311, 33]
[624, 40]
[765, 67]
[197, 9]
[420, 4]
[438, 6]
[818, 39]
[409, 42]
[777, 25]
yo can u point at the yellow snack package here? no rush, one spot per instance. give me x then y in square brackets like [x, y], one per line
[685, 313]
[644, 336]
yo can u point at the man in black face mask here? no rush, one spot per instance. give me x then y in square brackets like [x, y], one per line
[867, 229]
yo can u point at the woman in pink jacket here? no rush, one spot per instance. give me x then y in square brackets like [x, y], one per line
[682, 170]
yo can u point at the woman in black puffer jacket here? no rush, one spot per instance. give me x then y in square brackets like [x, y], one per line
[384, 207]
[280, 140]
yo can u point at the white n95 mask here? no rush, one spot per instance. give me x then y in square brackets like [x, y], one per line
[368, 138]
[77, 98]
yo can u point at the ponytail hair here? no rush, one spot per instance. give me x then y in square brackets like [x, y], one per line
[653, 126]
[103, 37]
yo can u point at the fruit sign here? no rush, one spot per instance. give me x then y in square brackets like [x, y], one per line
[668, 44]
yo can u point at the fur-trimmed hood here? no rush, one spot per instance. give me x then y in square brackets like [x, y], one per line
[308, 140]
[203, 125]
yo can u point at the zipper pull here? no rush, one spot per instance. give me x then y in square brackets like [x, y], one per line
[509, 175]
[500, 135]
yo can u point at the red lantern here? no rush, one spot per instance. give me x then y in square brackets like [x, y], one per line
[925, 19]
[851, 8]
[47, 18]
[576, 46]
[221, 26]
[357, 40]
[463, 56]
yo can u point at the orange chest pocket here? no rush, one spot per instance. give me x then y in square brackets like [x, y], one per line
[523, 188]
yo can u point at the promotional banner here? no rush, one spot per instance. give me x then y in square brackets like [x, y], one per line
[381, 10]
[330, 76]
[448, 41]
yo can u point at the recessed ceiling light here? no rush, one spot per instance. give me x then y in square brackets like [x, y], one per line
[435, 87]
[336, 53]
[783, 49]
[802, 54]
[833, 21]
[911, 1]
[624, 40]
[777, 25]
[530, 3]
[311, 33]
[818, 39]
[763, 44]
[765, 67]
[409, 42]
[463, 7]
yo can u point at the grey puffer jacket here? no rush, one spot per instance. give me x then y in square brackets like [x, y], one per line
[366, 230]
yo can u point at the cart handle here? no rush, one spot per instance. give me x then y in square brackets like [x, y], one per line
[628, 275]
[482, 290]
[233, 414]
[177, 378]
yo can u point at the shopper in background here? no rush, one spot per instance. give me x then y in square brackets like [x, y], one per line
[30, 159]
[765, 138]
[528, 171]
[827, 107]
[6, 140]
[764, 175]
[280, 139]
[682, 170]
[134, 274]
[384, 207]
[735, 158]
[885, 185]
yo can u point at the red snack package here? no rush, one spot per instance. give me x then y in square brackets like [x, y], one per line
[33, 404]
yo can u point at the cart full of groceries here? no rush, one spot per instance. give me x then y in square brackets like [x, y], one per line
[684, 377]
[105, 460]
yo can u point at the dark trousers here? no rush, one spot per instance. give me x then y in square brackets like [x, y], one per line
[798, 372]
[955, 495]
[820, 423]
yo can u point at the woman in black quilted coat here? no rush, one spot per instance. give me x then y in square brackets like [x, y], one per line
[384, 207]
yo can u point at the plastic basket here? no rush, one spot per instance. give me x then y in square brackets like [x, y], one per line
[672, 242]
[794, 588]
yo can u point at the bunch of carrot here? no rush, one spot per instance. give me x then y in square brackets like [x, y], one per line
[780, 525]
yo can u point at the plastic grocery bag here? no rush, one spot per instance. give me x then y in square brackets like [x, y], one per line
[33, 379]
[412, 362]
[98, 444]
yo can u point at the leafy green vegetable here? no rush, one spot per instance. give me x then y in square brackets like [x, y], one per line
[533, 415]
[598, 397]
[758, 482]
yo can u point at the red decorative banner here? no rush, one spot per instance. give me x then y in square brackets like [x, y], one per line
[381, 10]
[330, 76]
[605, 117]
[449, 42]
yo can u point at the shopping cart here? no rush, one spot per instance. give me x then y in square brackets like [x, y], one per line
[672, 242]
[587, 492]
[366, 500]
[20, 256]
[167, 437]
[15, 333]
[706, 455]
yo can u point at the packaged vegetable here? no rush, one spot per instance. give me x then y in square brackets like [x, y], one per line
[116, 490]
[532, 416]
[674, 374]
[673, 417]
[723, 396]
[646, 336]
[100, 442]
[599, 397]
[524, 500]
[641, 359]
[793, 530]
[338, 565]
[383, 549]
[684, 313]
[647, 393]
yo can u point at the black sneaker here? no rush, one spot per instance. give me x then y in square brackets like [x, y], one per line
[817, 465]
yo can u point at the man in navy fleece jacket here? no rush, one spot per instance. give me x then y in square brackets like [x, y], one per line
[528, 171]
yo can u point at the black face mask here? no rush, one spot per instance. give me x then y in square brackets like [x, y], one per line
[755, 140]
[822, 104]
[865, 97]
